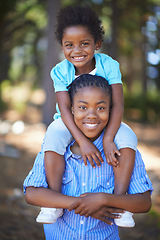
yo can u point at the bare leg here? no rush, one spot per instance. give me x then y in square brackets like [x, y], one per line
[54, 167]
[122, 175]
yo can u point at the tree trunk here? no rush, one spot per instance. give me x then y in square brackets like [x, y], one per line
[114, 18]
[144, 65]
[51, 59]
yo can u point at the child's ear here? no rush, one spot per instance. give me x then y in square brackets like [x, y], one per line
[72, 110]
[98, 45]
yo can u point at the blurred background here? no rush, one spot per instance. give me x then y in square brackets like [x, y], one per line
[28, 51]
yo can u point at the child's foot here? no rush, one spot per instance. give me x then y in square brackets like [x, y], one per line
[49, 215]
[126, 220]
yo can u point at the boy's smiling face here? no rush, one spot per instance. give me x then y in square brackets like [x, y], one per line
[91, 111]
[79, 47]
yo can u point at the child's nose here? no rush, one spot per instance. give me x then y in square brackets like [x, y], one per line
[77, 49]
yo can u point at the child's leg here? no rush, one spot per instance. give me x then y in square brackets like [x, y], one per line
[54, 168]
[122, 175]
[56, 140]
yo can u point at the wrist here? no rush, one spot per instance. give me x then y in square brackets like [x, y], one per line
[81, 140]
[105, 199]
[108, 138]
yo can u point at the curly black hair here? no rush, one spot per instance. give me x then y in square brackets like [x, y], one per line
[88, 80]
[78, 15]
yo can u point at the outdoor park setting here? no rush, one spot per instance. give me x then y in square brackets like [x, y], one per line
[28, 51]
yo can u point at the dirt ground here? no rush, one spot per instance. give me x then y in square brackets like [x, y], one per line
[17, 153]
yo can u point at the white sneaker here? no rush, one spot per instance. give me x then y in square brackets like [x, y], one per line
[49, 215]
[126, 220]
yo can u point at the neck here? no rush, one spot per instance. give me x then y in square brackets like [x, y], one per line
[85, 69]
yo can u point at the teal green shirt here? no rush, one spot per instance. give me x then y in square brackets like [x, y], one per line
[63, 73]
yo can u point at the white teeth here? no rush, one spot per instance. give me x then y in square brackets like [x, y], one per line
[91, 124]
[78, 58]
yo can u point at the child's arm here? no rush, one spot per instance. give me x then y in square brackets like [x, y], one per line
[138, 202]
[88, 149]
[116, 115]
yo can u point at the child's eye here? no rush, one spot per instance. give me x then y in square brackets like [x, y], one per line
[69, 45]
[85, 44]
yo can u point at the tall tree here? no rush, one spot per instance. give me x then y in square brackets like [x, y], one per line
[21, 26]
[51, 59]
[5, 8]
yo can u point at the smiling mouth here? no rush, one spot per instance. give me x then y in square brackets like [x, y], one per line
[78, 58]
[91, 125]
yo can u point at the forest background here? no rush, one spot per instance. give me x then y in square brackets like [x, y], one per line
[28, 51]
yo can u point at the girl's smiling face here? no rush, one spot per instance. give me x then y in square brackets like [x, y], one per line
[79, 46]
[91, 111]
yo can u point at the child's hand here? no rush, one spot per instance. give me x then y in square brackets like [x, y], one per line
[87, 204]
[110, 151]
[90, 152]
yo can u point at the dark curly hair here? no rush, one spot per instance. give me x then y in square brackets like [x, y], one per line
[88, 80]
[78, 15]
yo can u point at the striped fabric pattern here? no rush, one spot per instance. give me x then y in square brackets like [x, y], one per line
[78, 179]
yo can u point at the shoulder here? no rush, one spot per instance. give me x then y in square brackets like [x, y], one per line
[60, 66]
[62, 74]
[125, 137]
[104, 57]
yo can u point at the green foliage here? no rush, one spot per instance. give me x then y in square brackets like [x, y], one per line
[15, 96]
[37, 15]
[23, 45]
[25, 22]
[3, 106]
[143, 108]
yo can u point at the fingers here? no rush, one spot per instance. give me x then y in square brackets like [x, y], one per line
[112, 212]
[81, 211]
[107, 213]
[98, 154]
[85, 160]
[117, 152]
[94, 159]
[90, 159]
[111, 153]
[112, 215]
[102, 217]
[106, 220]
[115, 210]
[112, 160]
[91, 153]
